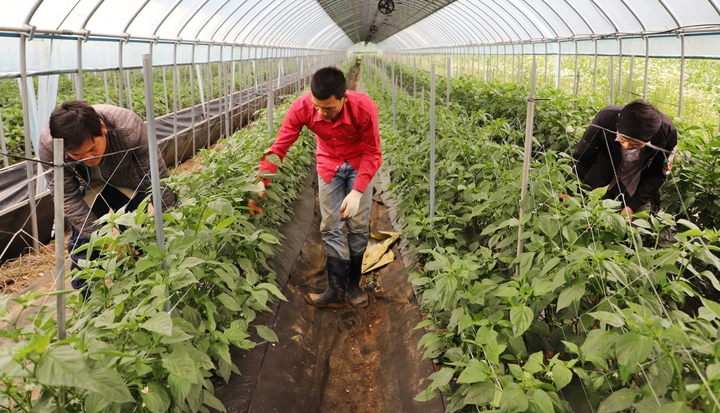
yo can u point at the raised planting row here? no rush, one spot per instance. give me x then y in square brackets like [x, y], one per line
[123, 351]
[594, 312]
[690, 190]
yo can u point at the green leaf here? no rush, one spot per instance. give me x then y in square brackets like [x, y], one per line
[110, 385]
[513, 399]
[273, 290]
[542, 401]
[63, 366]
[179, 386]
[570, 294]
[493, 350]
[160, 323]
[620, 400]
[267, 333]
[677, 407]
[608, 318]
[521, 317]
[712, 371]
[156, 397]
[441, 377]
[210, 400]
[712, 306]
[480, 394]
[473, 373]
[179, 363]
[632, 348]
[561, 376]
[229, 302]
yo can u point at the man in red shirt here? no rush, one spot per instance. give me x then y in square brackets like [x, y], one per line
[348, 155]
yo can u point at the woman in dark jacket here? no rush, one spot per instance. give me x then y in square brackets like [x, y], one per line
[629, 149]
[108, 166]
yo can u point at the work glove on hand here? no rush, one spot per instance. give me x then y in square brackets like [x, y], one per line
[350, 205]
[261, 189]
[252, 205]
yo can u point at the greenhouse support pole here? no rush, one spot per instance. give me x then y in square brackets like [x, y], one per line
[484, 65]
[647, 68]
[630, 78]
[546, 64]
[432, 141]
[192, 96]
[576, 86]
[129, 90]
[401, 79]
[472, 70]
[79, 93]
[209, 83]
[414, 77]
[107, 92]
[612, 80]
[58, 197]
[223, 88]
[176, 75]
[595, 63]
[529, 119]
[29, 165]
[620, 61]
[209, 97]
[682, 75]
[165, 91]
[447, 81]
[232, 86]
[504, 61]
[120, 74]
[154, 162]
[394, 90]
[513, 66]
[3, 143]
[270, 100]
[558, 69]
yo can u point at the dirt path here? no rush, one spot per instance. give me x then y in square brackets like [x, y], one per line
[342, 360]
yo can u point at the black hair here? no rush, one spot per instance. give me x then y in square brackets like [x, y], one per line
[328, 81]
[76, 121]
[639, 120]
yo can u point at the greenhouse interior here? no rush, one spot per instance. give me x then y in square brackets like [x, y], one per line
[360, 206]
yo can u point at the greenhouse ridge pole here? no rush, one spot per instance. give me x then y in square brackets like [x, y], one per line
[529, 119]
[58, 197]
[154, 162]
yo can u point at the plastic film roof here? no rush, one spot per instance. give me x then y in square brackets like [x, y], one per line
[556, 26]
[296, 23]
[503, 22]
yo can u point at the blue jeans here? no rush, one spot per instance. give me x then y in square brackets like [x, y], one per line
[332, 228]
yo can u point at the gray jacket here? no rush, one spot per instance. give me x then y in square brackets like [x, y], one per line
[127, 167]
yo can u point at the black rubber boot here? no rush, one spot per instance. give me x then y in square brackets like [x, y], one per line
[334, 296]
[358, 297]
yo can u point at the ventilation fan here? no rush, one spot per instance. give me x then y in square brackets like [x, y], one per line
[386, 6]
[373, 29]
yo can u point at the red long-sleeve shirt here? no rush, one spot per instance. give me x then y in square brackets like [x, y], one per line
[354, 137]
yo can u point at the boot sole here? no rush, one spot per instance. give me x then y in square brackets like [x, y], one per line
[326, 305]
[363, 305]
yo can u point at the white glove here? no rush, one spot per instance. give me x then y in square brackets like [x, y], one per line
[261, 189]
[350, 205]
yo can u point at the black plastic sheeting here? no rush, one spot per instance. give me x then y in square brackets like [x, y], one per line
[211, 121]
[333, 360]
